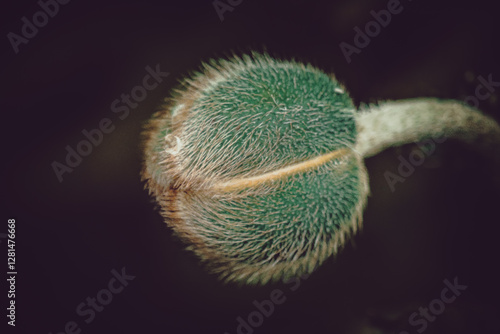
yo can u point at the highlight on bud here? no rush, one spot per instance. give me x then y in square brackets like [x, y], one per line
[254, 165]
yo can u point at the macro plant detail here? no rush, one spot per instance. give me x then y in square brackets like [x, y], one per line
[257, 163]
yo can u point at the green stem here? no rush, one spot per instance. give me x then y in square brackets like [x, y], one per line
[395, 123]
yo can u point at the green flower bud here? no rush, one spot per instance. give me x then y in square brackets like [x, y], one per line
[253, 165]
[257, 164]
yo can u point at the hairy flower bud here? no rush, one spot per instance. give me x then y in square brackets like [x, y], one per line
[253, 165]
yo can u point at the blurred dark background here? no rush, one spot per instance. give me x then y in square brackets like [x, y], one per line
[441, 223]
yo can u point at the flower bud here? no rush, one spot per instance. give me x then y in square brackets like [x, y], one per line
[253, 165]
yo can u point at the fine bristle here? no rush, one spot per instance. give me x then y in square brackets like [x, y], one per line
[242, 119]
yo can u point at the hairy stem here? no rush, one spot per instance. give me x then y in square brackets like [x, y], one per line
[395, 123]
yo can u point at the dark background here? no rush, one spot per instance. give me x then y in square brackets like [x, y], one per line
[441, 223]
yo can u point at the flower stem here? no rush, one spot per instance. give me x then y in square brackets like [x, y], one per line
[395, 123]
